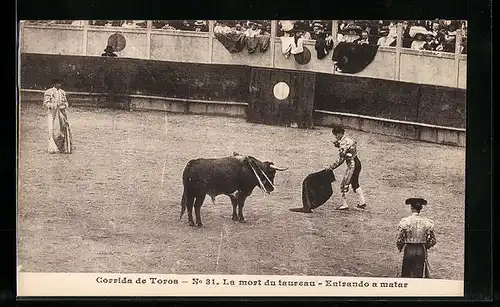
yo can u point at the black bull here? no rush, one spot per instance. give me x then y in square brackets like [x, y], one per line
[234, 176]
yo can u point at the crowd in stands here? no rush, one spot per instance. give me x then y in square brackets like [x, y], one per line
[310, 29]
[173, 25]
[55, 22]
[250, 28]
[435, 35]
[181, 25]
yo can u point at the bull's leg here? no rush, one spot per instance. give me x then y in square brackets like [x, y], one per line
[197, 207]
[189, 205]
[234, 202]
[241, 203]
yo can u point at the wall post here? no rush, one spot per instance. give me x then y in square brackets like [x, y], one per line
[211, 24]
[335, 30]
[85, 37]
[149, 26]
[399, 46]
[21, 35]
[274, 28]
[458, 44]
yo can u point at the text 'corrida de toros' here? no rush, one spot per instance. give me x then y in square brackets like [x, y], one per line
[125, 280]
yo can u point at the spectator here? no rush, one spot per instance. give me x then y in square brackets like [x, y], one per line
[167, 26]
[463, 46]
[261, 28]
[420, 42]
[100, 23]
[162, 24]
[286, 27]
[129, 24]
[351, 32]
[78, 23]
[436, 27]
[267, 30]
[306, 35]
[303, 27]
[318, 30]
[434, 42]
[449, 36]
[188, 25]
[301, 30]
[222, 27]
[407, 39]
[199, 25]
[116, 23]
[253, 29]
[363, 39]
[389, 36]
[238, 28]
[158, 24]
[109, 52]
[419, 33]
[293, 44]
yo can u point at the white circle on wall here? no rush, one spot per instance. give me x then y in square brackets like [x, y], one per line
[281, 90]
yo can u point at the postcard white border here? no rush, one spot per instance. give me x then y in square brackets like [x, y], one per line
[93, 284]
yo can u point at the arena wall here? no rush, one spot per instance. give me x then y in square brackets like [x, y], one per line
[436, 105]
[409, 110]
[421, 103]
[413, 94]
[407, 130]
[390, 63]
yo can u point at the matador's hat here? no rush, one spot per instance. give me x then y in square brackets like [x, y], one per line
[416, 201]
[337, 129]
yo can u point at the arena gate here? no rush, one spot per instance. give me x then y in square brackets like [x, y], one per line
[281, 97]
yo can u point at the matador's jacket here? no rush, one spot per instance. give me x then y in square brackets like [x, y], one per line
[415, 236]
[348, 153]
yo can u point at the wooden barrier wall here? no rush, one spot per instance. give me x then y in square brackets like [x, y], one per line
[134, 76]
[436, 105]
[421, 103]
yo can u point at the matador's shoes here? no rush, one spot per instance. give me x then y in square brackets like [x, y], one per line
[361, 206]
[343, 207]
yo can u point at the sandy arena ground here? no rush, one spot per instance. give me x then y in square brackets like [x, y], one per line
[113, 205]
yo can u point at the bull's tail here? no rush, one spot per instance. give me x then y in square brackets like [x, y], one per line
[185, 182]
[183, 204]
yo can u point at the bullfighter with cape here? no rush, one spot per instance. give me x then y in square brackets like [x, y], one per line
[348, 153]
[55, 101]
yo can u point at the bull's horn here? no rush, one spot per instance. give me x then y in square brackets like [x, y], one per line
[278, 168]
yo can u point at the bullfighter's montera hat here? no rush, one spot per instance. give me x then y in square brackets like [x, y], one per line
[416, 201]
[337, 129]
